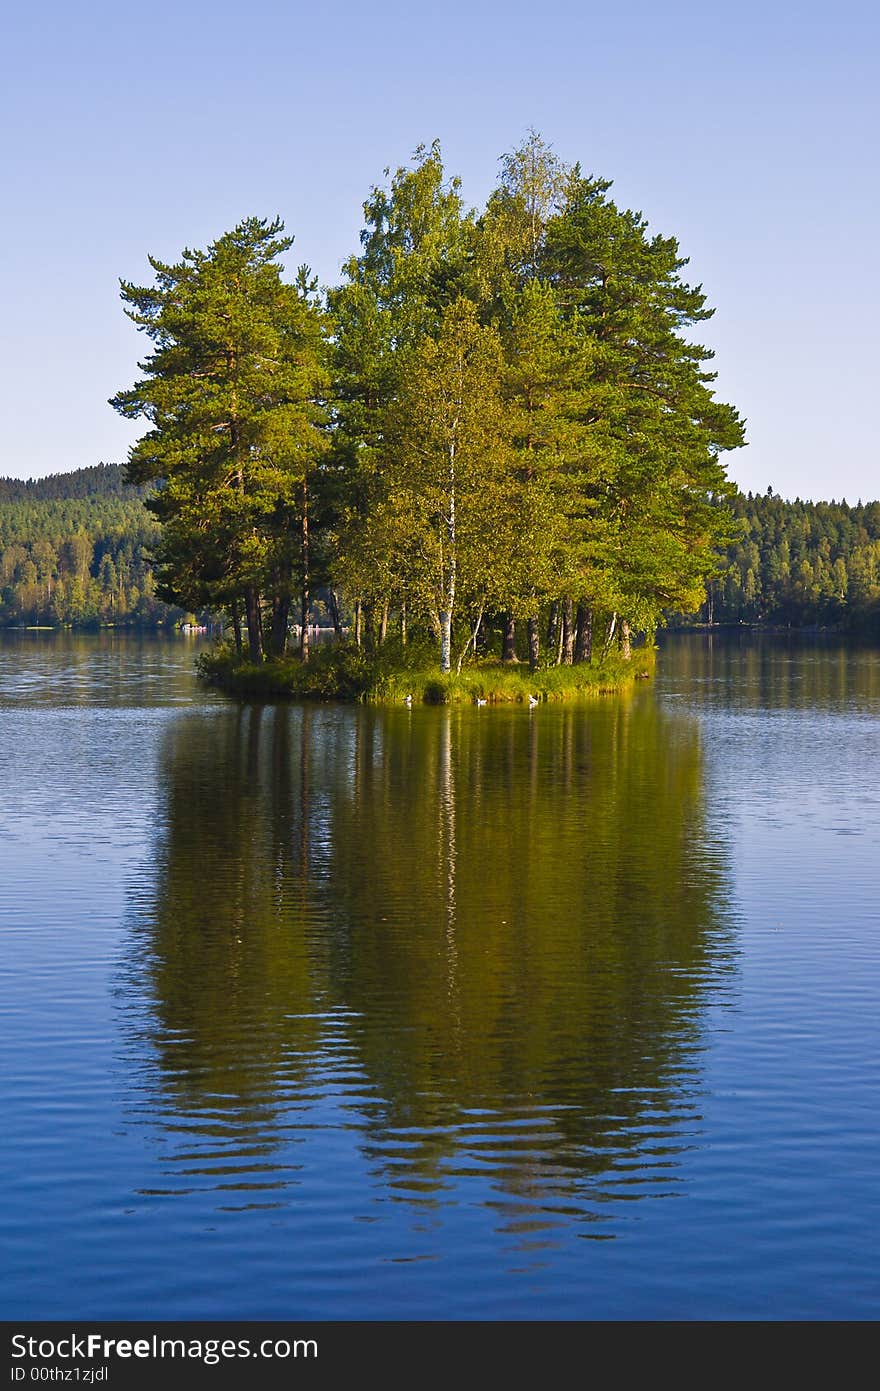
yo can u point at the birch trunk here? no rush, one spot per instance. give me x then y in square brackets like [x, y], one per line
[305, 598]
[445, 640]
[534, 642]
[609, 636]
[552, 623]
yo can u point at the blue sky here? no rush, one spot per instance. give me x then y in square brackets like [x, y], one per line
[746, 130]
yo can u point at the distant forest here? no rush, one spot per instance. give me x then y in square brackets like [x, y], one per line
[75, 549]
[798, 564]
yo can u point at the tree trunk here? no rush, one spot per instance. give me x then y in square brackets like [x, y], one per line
[280, 615]
[508, 649]
[583, 642]
[358, 621]
[333, 605]
[534, 643]
[306, 598]
[254, 626]
[625, 640]
[552, 621]
[236, 628]
[609, 636]
[471, 639]
[403, 623]
[369, 632]
[568, 633]
[383, 623]
[445, 641]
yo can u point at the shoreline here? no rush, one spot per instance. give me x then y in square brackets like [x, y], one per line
[345, 674]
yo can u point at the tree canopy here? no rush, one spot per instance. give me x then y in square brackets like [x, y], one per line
[232, 393]
[495, 419]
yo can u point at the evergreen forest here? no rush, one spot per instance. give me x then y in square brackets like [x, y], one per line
[76, 548]
[798, 564]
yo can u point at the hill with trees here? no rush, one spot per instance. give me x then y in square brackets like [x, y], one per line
[75, 548]
[798, 564]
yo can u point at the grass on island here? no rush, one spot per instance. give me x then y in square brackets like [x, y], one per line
[341, 671]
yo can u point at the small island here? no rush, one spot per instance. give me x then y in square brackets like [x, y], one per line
[494, 445]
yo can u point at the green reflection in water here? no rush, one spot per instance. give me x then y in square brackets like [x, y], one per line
[751, 670]
[482, 940]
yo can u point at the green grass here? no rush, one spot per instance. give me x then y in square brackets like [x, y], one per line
[343, 672]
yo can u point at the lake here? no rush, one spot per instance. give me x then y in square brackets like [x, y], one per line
[344, 1012]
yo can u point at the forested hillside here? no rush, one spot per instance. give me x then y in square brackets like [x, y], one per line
[75, 548]
[800, 564]
[101, 481]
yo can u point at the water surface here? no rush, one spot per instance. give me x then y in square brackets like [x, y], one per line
[334, 1012]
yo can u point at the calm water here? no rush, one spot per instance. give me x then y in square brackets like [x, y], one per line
[334, 1012]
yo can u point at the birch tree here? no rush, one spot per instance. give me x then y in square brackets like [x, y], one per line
[449, 435]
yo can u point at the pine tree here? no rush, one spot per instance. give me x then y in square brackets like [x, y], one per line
[647, 480]
[232, 392]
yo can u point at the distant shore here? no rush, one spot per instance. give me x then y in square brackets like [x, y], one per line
[775, 629]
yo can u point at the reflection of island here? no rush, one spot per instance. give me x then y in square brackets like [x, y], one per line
[483, 937]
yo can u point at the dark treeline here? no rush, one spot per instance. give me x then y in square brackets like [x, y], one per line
[75, 549]
[99, 481]
[799, 564]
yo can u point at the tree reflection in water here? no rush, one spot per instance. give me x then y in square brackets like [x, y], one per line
[483, 941]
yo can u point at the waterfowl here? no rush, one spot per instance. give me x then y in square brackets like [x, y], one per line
[407, 700]
[533, 700]
[481, 700]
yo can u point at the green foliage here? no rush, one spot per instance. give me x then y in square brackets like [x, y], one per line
[76, 548]
[500, 684]
[799, 564]
[593, 471]
[497, 418]
[342, 671]
[338, 672]
[97, 483]
[231, 391]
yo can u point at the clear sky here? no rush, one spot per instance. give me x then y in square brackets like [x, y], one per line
[748, 130]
